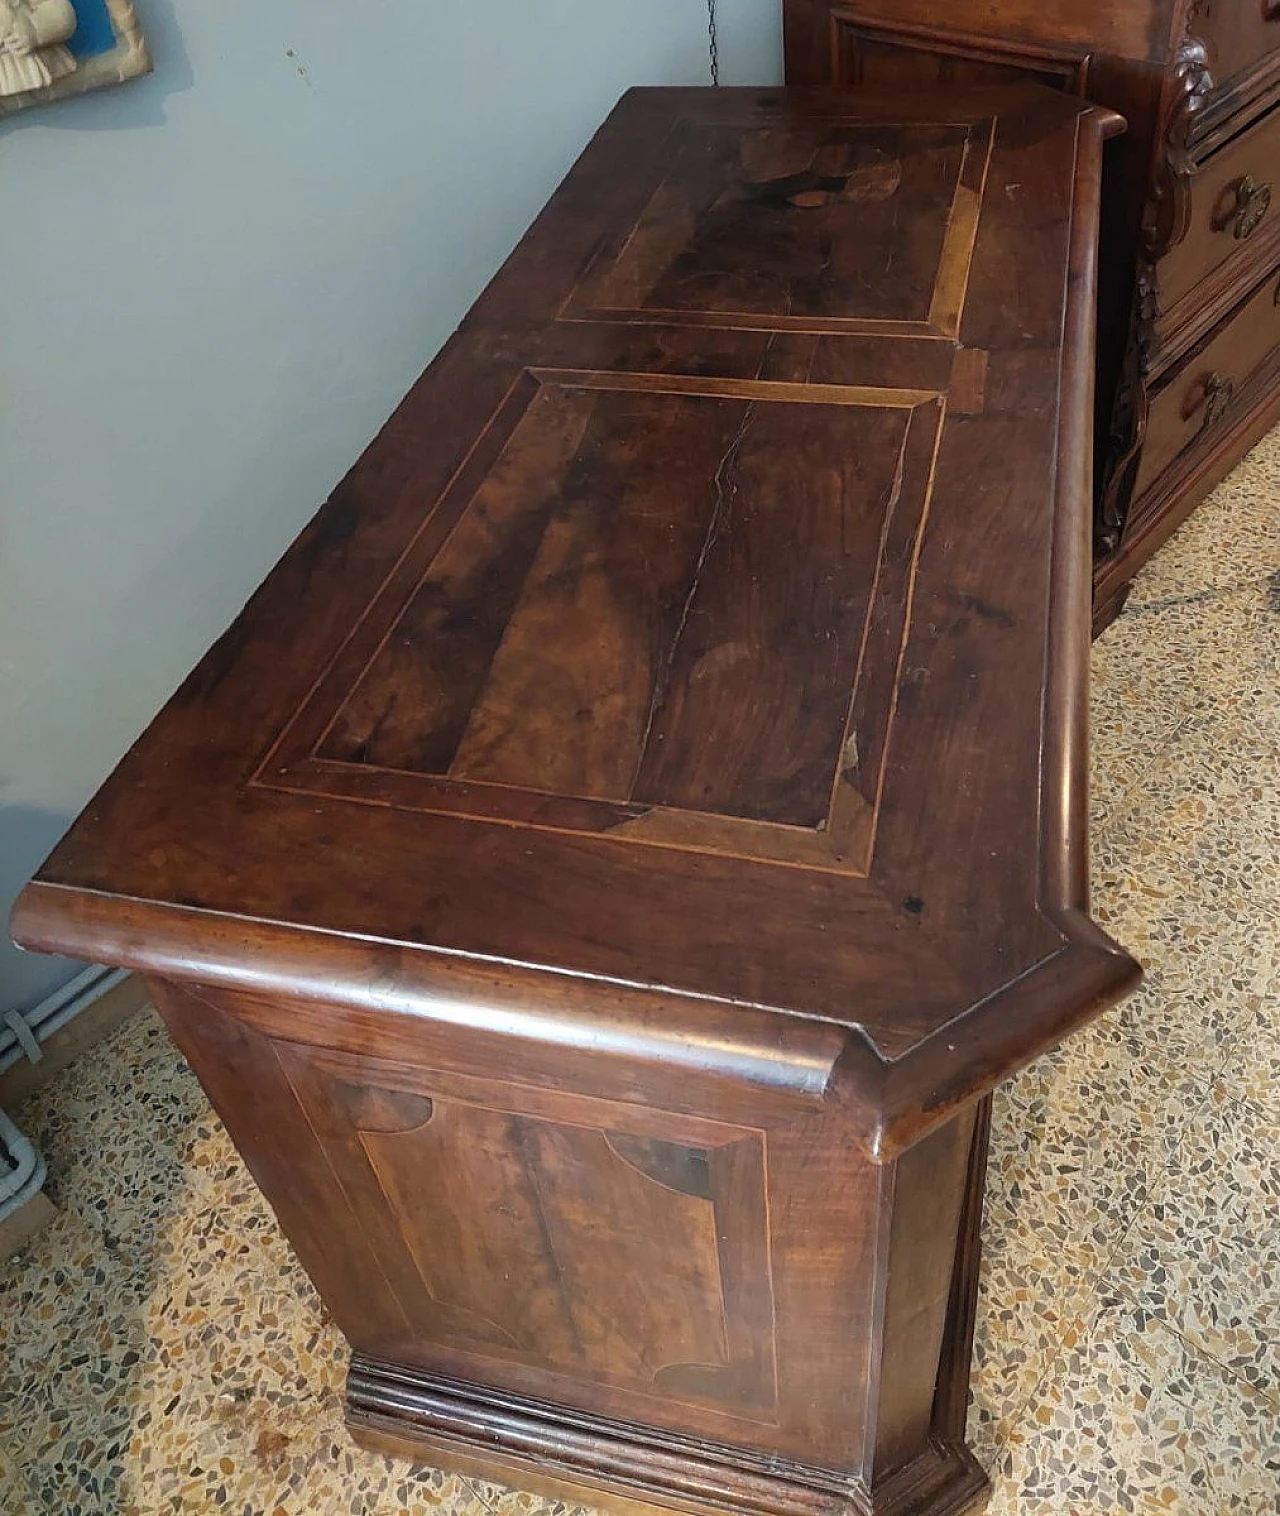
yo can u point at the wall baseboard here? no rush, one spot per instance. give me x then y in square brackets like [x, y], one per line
[20, 1226]
[67, 1044]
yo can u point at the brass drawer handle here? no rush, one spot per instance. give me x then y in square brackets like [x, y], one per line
[1213, 396]
[1253, 201]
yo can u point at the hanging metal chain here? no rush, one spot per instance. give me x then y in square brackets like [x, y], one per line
[713, 42]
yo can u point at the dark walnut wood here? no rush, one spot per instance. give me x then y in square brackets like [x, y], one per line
[1189, 228]
[600, 876]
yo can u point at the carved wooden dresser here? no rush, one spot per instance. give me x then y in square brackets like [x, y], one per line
[602, 873]
[1189, 346]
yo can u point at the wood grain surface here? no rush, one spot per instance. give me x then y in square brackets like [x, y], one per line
[707, 623]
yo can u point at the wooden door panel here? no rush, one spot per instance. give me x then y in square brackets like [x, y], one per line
[872, 57]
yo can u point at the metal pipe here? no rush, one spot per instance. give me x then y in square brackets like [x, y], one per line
[52, 1014]
[22, 1170]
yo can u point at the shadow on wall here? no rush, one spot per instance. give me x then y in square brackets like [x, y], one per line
[27, 836]
[138, 103]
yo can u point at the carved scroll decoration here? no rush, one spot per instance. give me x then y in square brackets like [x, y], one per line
[1168, 214]
[1166, 221]
[1128, 418]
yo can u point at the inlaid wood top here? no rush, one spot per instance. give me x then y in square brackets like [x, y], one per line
[695, 663]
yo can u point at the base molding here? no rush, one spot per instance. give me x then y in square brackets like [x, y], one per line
[629, 1468]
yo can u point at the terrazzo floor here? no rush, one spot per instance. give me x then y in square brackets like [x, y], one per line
[163, 1351]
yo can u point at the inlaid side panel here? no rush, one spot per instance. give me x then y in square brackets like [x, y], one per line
[503, 1233]
[664, 1264]
[647, 1255]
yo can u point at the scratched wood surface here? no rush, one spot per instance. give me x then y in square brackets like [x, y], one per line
[707, 618]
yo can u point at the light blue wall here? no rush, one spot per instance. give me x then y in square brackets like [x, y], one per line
[218, 282]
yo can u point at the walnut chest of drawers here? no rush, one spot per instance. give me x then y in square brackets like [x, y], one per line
[1189, 341]
[602, 873]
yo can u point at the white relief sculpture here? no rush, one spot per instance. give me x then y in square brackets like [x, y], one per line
[32, 33]
[37, 68]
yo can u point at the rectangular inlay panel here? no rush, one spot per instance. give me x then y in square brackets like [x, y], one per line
[503, 1231]
[581, 639]
[707, 250]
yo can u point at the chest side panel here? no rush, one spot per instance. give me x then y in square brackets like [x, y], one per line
[659, 1264]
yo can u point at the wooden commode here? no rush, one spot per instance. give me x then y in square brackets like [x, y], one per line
[1189, 340]
[602, 873]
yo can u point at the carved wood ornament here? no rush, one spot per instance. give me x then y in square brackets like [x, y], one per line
[1166, 221]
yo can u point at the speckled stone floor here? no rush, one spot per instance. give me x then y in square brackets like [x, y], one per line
[163, 1351]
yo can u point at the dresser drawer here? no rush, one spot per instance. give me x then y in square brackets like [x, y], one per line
[1237, 34]
[1233, 201]
[1199, 396]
